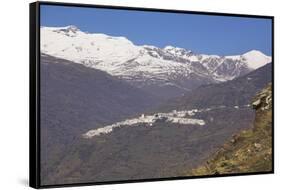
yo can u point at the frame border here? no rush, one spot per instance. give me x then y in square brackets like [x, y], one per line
[34, 92]
[34, 101]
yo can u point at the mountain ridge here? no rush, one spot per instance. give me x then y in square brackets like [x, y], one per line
[160, 70]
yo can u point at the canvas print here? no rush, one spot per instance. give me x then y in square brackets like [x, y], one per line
[136, 94]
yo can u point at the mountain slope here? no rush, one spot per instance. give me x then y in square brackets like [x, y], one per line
[166, 72]
[248, 151]
[75, 99]
[138, 150]
[237, 92]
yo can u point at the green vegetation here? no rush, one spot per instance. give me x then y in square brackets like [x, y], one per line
[248, 151]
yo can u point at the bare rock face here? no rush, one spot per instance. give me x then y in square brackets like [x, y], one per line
[263, 100]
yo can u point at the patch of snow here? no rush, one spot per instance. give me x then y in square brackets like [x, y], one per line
[256, 59]
[234, 57]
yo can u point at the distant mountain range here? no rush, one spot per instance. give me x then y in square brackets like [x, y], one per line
[165, 72]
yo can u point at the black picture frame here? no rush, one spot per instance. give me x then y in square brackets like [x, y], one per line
[34, 91]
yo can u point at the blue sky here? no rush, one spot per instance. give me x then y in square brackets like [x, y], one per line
[221, 35]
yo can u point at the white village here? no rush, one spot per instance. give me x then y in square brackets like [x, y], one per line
[180, 117]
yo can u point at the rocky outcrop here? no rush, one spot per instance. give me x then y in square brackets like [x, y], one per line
[263, 100]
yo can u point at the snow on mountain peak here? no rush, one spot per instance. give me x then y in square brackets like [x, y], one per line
[172, 48]
[118, 56]
[256, 59]
[72, 28]
[177, 51]
[88, 49]
[169, 47]
[253, 52]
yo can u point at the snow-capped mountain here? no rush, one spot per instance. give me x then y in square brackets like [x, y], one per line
[166, 70]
